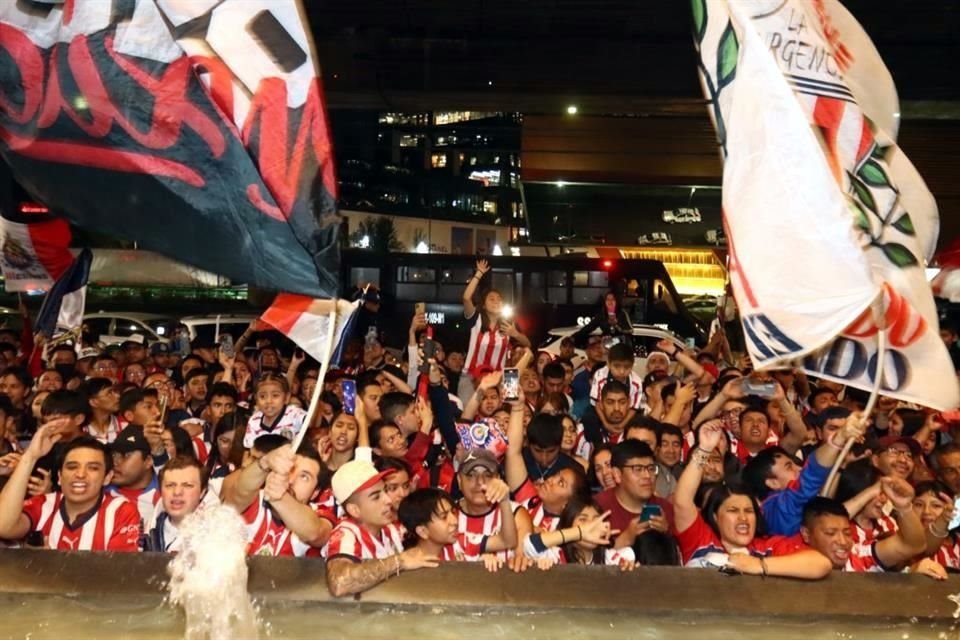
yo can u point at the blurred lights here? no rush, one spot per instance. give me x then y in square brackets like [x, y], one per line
[497, 251]
[422, 247]
[572, 110]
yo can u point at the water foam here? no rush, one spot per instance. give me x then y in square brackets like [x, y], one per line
[208, 578]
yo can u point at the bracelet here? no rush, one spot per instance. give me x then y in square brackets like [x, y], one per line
[398, 563]
[763, 567]
[935, 534]
[563, 538]
[580, 532]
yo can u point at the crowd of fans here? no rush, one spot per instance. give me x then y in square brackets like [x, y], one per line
[491, 453]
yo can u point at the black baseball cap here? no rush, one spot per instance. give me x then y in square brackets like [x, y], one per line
[129, 440]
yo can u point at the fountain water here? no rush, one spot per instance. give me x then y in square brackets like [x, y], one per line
[208, 578]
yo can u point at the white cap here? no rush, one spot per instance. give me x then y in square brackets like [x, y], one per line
[354, 476]
[88, 352]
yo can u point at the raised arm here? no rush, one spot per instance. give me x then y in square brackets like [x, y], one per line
[683, 396]
[253, 477]
[796, 429]
[515, 466]
[297, 517]
[689, 364]
[731, 391]
[506, 539]
[805, 565]
[910, 539]
[469, 309]
[488, 381]
[685, 510]
[14, 524]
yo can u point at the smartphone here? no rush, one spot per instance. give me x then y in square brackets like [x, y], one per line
[753, 388]
[349, 388]
[420, 308]
[955, 520]
[511, 385]
[691, 343]
[650, 510]
[226, 345]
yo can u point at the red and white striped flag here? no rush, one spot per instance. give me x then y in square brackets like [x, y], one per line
[826, 218]
[306, 321]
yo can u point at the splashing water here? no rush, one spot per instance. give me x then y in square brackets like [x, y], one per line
[208, 578]
[955, 599]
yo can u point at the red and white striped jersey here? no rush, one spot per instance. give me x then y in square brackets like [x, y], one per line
[602, 376]
[475, 530]
[329, 503]
[529, 499]
[113, 524]
[351, 539]
[863, 559]
[145, 499]
[488, 348]
[882, 527]
[948, 555]
[455, 552]
[268, 536]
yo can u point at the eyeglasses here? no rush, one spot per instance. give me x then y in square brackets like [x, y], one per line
[899, 453]
[649, 469]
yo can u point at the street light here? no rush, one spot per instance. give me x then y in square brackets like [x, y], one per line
[572, 110]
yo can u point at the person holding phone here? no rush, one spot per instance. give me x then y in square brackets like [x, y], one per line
[491, 333]
[611, 319]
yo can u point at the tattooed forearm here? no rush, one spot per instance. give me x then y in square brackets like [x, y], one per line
[345, 577]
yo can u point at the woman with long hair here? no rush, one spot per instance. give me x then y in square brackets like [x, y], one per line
[729, 532]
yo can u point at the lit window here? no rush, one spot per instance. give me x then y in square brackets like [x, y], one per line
[489, 206]
[438, 160]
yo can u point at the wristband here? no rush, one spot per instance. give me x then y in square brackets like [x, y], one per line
[563, 538]
[398, 563]
[580, 532]
[763, 567]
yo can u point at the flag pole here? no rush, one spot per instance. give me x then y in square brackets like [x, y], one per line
[318, 390]
[871, 403]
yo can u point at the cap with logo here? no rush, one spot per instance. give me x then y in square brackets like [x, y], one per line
[131, 439]
[355, 476]
[483, 458]
[159, 348]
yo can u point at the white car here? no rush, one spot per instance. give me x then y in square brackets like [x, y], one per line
[681, 215]
[113, 327]
[645, 339]
[657, 237]
[207, 326]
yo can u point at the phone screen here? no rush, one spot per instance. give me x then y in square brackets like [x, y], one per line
[955, 520]
[349, 388]
[649, 511]
[511, 384]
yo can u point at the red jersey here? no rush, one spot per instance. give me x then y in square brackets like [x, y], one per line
[699, 540]
[529, 499]
[113, 524]
[455, 552]
[488, 347]
[351, 539]
[268, 536]
[620, 517]
[474, 531]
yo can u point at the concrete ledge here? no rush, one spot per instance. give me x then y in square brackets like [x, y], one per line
[655, 590]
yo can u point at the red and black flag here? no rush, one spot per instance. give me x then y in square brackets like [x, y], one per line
[195, 127]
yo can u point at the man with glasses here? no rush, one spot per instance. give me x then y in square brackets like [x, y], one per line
[105, 367]
[104, 404]
[635, 471]
[895, 456]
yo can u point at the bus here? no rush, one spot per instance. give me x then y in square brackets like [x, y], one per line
[546, 292]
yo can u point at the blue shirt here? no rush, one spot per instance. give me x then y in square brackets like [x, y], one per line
[783, 510]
